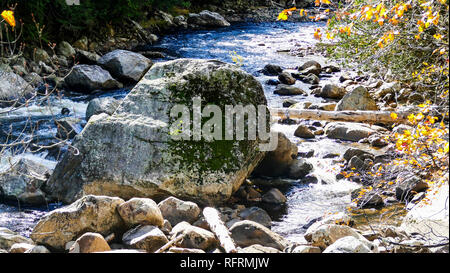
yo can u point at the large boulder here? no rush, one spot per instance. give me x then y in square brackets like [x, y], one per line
[13, 88]
[135, 152]
[357, 99]
[87, 78]
[89, 214]
[277, 163]
[23, 181]
[207, 19]
[125, 65]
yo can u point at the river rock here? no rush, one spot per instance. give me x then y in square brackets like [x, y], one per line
[324, 235]
[194, 237]
[207, 19]
[387, 88]
[408, 185]
[272, 70]
[65, 49]
[304, 132]
[13, 88]
[87, 78]
[88, 214]
[246, 233]
[257, 215]
[332, 91]
[86, 57]
[288, 90]
[90, 242]
[348, 244]
[259, 249]
[350, 131]
[299, 169]
[276, 163]
[306, 249]
[68, 128]
[274, 196]
[357, 99]
[97, 106]
[175, 210]
[138, 211]
[8, 238]
[368, 200]
[148, 238]
[311, 79]
[286, 78]
[38, 250]
[23, 181]
[107, 161]
[361, 154]
[125, 65]
[20, 247]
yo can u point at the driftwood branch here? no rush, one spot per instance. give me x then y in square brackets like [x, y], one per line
[170, 243]
[219, 229]
[373, 117]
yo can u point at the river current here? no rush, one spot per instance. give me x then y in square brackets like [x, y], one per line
[255, 45]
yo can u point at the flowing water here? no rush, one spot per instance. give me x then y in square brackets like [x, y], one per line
[257, 45]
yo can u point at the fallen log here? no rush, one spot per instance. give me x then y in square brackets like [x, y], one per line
[373, 117]
[219, 229]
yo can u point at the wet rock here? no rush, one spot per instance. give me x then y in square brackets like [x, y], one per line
[350, 131]
[276, 163]
[286, 78]
[138, 211]
[68, 128]
[306, 154]
[287, 90]
[311, 79]
[246, 233]
[289, 102]
[273, 82]
[272, 70]
[409, 185]
[257, 215]
[148, 238]
[194, 237]
[259, 249]
[88, 214]
[97, 106]
[87, 78]
[358, 99]
[299, 169]
[348, 244]
[304, 132]
[310, 179]
[89, 242]
[368, 200]
[126, 65]
[176, 210]
[142, 125]
[23, 181]
[13, 88]
[207, 19]
[274, 196]
[8, 238]
[361, 154]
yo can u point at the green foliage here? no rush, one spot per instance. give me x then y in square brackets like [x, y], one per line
[61, 20]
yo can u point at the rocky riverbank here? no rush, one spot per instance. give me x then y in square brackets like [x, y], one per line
[124, 152]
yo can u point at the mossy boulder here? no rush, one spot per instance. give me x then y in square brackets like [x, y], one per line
[133, 154]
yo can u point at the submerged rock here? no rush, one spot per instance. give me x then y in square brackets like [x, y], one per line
[135, 152]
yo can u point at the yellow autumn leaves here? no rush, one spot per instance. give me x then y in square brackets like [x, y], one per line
[8, 17]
